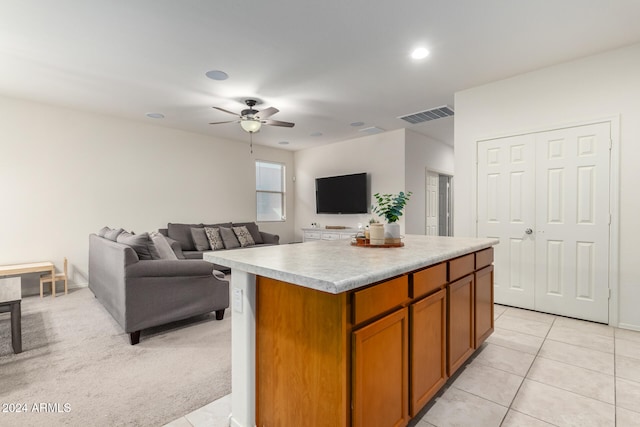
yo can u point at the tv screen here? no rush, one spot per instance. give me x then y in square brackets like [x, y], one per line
[345, 194]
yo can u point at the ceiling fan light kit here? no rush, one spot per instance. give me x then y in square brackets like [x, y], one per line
[250, 124]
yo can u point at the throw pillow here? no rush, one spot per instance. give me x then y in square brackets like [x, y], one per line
[244, 237]
[253, 229]
[162, 246]
[229, 238]
[182, 233]
[113, 234]
[215, 240]
[139, 243]
[103, 231]
[200, 239]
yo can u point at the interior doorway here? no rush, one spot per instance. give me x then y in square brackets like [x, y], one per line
[439, 206]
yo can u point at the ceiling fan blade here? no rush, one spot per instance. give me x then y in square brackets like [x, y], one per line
[226, 111]
[278, 123]
[267, 112]
[219, 123]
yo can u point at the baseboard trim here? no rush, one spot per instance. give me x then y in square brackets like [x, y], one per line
[629, 326]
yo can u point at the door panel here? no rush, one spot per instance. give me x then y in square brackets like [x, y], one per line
[572, 230]
[432, 204]
[506, 208]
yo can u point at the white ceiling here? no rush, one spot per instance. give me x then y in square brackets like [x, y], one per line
[324, 63]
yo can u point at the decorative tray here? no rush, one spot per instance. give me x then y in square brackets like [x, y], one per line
[361, 241]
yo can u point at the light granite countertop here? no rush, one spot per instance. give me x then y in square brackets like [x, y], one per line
[335, 266]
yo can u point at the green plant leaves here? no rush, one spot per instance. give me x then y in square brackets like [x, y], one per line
[390, 206]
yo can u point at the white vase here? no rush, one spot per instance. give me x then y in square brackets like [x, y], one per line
[376, 234]
[392, 233]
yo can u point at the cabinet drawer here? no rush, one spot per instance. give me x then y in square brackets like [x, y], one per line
[312, 235]
[330, 236]
[380, 298]
[430, 279]
[461, 266]
[484, 258]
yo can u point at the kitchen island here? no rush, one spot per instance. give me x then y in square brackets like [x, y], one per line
[326, 333]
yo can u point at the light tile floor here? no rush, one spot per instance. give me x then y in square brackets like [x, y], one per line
[535, 370]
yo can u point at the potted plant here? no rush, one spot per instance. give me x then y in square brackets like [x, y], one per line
[390, 207]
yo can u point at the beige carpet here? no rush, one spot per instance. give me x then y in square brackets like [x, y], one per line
[78, 360]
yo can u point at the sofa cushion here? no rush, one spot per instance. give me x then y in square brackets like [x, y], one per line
[222, 224]
[113, 234]
[162, 246]
[192, 254]
[200, 240]
[244, 237]
[229, 238]
[253, 229]
[103, 231]
[214, 238]
[182, 233]
[141, 243]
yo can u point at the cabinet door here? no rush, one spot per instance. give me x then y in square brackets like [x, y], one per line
[428, 320]
[484, 304]
[460, 323]
[380, 372]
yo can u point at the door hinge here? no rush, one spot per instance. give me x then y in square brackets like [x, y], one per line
[609, 219]
[609, 293]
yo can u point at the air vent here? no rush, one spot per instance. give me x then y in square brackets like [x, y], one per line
[428, 115]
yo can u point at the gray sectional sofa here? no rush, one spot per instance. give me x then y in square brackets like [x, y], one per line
[142, 283]
[190, 241]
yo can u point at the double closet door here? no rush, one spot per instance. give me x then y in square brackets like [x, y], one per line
[545, 195]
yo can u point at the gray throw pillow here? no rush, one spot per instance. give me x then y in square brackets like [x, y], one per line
[162, 246]
[182, 233]
[229, 238]
[103, 231]
[113, 234]
[253, 229]
[244, 237]
[200, 240]
[215, 240]
[140, 243]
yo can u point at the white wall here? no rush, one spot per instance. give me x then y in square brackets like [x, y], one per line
[381, 156]
[588, 89]
[65, 174]
[422, 153]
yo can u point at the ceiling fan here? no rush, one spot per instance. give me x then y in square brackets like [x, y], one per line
[252, 120]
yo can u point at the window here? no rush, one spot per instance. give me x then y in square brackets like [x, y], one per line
[270, 191]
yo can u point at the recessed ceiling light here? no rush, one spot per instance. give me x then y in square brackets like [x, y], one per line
[217, 75]
[420, 53]
[316, 134]
[155, 115]
[357, 124]
[283, 142]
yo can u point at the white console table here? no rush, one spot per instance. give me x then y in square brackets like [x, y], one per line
[310, 234]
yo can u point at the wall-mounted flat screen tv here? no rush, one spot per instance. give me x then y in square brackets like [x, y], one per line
[344, 194]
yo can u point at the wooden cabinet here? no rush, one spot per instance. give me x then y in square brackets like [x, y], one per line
[428, 348]
[483, 305]
[460, 319]
[380, 372]
[374, 356]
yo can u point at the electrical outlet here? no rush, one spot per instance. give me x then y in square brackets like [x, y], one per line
[237, 300]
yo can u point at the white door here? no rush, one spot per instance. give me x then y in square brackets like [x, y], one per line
[431, 228]
[546, 197]
[572, 222]
[506, 209]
